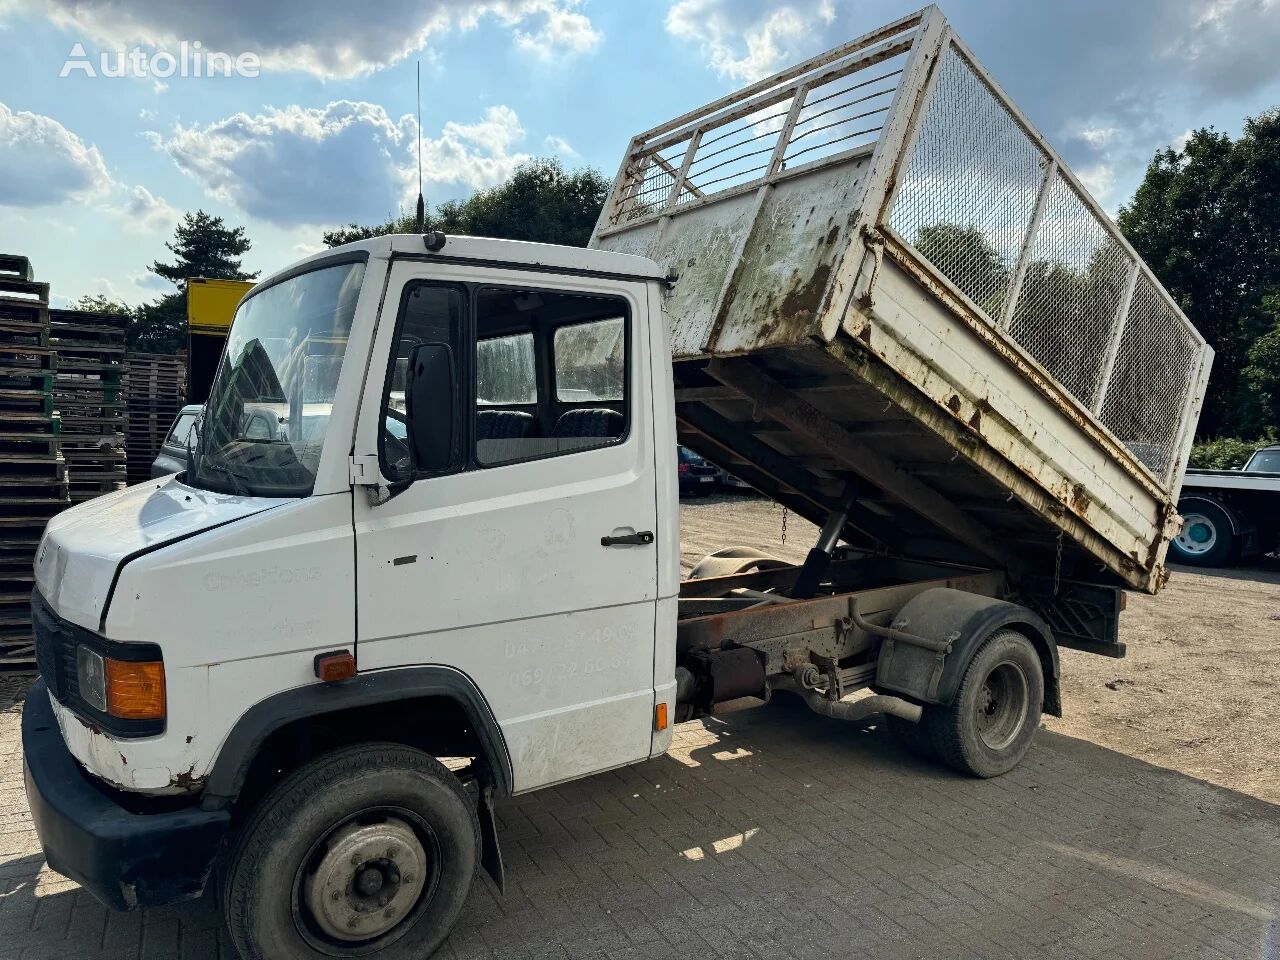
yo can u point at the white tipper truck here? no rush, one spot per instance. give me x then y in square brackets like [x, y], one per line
[449, 571]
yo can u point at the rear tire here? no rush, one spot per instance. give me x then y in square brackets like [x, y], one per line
[989, 726]
[368, 851]
[1206, 538]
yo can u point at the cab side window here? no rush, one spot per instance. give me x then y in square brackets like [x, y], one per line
[551, 374]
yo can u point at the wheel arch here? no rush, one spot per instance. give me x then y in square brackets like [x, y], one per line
[965, 621]
[1237, 521]
[368, 695]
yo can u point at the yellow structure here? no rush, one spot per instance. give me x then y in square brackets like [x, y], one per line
[210, 306]
[212, 303]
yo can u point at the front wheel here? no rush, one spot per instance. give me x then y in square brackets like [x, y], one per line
[989, 726]
[367, 851]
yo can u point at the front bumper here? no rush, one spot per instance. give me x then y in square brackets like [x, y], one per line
[157, 855]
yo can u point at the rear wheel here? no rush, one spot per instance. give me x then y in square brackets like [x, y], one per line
[367, 852]
[989, 726]
[1206, 539]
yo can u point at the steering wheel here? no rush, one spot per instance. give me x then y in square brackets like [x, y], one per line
[397, 451]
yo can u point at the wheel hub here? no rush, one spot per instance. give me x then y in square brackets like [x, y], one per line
[1198, 535]
[367, 881]
[1002, 705]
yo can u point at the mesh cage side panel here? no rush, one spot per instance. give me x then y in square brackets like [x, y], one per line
[1154, 370]
[968, 190]
[650, 189]
[1069, 302]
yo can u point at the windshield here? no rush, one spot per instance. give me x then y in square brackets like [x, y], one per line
[264, 424]
[1264, 461]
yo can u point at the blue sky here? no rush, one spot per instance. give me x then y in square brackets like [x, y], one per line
[95, 170]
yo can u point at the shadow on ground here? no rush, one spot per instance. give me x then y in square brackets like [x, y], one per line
[773, 833]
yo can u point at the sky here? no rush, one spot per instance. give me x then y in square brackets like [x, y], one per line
[317, 128]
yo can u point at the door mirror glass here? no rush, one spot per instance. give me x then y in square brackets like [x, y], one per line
[429, 407]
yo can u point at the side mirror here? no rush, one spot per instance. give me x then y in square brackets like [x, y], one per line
[429, 395]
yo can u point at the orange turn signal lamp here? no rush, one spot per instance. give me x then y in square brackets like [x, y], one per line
[335, 665]
[135, 689]
[660, 717]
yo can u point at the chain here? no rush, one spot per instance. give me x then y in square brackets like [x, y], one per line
[1057, 565]
[784, 525]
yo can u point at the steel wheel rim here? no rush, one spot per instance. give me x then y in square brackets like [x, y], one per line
[1002, 705]
[1198, 536]
[378, 859]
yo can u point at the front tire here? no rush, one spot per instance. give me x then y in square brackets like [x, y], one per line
[989, 726]
[368, 851]
[1206, 538]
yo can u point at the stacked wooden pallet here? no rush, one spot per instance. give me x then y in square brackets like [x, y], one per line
[88, 395]
[155, 385]
[33, 476]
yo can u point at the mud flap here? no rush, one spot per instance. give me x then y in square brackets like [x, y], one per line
[490, 852]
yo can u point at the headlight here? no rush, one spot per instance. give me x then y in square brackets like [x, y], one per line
[91, 677]
[127, 689]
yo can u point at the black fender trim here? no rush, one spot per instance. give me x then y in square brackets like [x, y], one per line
[963, 621]
[366, 689]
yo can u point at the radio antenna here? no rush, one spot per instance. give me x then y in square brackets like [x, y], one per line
[422, 206]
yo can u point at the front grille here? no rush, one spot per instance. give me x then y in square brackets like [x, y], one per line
[55, 650]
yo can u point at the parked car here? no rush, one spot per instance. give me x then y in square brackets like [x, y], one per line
[697, 475]
[727, 479]
[172, 457]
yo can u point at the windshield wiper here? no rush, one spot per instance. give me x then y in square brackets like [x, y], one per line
[239, 482]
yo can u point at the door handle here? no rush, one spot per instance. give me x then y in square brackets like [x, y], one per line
[628, 539]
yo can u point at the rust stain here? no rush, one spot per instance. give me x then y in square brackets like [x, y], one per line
[187, 780]
[1080, 501]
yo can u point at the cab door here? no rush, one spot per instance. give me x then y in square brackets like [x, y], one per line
[515, 411]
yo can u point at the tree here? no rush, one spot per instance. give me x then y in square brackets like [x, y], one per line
[98, 303]
[203, 246]
[1206, 218]
[540, 202]
[965, 256]
[1262, 374]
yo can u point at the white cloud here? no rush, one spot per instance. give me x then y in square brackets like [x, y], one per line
[746, 41]
[144, 212]
[42, 162]
[347, 161]
[562, 147]
[305, 249]
[328, 38]
[563, 31]
[151, 282]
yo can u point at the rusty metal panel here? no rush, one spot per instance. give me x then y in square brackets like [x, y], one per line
[887, 211]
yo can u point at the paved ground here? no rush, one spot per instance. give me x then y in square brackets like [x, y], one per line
[770, 834]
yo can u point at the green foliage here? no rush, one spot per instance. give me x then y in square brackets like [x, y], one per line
[1207, 220]
[540, 202]
[1227, 453]
[967, 258]
[97, 303]
[205, 247]
[161, 326]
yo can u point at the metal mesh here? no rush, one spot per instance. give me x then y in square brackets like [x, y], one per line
[650, 189]
[1069, 301]
[969, 187]
[1154, 368]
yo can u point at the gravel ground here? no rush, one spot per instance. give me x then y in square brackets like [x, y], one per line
[1197, 692]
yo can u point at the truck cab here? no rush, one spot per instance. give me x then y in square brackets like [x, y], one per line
[464, 515]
